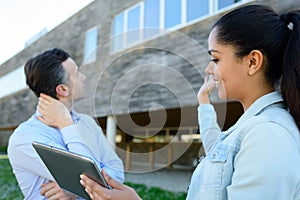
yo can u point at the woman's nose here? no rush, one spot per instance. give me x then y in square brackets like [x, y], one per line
[209, 68]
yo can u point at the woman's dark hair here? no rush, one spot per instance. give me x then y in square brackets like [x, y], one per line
[258, 27]
[45, 71]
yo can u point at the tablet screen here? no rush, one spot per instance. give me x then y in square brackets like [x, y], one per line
[66, 168]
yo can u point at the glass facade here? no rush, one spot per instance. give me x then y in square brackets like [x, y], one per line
[90, 47]
[172, 13]
[197, 9]
[17, 77]
[133, 25]
[150, 17]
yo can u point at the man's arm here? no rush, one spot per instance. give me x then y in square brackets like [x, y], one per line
[51, 190]
[112, 163]
[92, 143]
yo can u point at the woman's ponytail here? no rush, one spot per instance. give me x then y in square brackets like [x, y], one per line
[290, 85]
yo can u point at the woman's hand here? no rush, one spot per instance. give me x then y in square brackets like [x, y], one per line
[98, 192]
[203, 94]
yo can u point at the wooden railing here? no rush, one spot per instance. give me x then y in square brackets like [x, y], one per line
[144, 138]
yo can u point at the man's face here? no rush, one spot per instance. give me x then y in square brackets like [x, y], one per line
[75, 80]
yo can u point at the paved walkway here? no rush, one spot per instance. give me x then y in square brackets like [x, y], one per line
[176, 180]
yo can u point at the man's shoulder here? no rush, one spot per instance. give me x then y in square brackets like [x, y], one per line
[29, 129]
[87, 117]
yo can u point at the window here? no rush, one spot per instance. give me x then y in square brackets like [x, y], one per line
[225, 3]
[133, 25]
[148, 18]
[172, 13]
[151, 18]
[12, 82]
[90, 47]
[197, 9]
[118, 30]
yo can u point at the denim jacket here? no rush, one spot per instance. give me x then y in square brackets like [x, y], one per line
[258, 158]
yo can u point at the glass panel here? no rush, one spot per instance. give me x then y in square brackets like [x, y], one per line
[225, 3]
[12, 82]
[90, 48]
[172, 13]
[197, 8]
[133, 25]
[151, 18]
[118, 29]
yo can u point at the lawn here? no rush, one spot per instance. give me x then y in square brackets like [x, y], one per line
[9, 189]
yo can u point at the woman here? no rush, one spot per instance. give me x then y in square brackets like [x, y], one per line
[252, 49]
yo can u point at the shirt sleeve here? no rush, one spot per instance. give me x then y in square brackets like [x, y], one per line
[112, 164]
[265, 165]
[108, 158]
[24, 156]
[73, 142]
[209, 128]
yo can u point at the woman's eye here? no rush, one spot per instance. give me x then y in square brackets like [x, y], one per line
[214, 60]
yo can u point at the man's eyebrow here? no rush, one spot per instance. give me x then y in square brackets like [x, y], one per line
[212, 50]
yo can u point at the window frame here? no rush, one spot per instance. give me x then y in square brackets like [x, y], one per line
[213, 10]
[87, 59]
[17, 76]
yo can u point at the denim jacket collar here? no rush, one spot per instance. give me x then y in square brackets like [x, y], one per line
[259, 105]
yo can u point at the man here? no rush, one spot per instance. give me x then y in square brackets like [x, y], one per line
[55, 78]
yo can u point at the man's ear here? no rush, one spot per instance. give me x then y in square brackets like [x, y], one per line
[256, 60]
[62, 90]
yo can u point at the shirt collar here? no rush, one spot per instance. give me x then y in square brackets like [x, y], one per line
[75, 116]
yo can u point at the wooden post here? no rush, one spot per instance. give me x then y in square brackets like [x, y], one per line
[170, 155]
[128, 158]
[151, 156]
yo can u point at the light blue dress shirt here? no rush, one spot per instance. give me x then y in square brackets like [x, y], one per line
[257, 159]
[85, 137]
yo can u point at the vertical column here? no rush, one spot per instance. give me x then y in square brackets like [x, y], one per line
[111, 131]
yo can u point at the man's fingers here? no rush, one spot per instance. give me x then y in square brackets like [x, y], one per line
[46, 187]
[41, 119]
[46, 97]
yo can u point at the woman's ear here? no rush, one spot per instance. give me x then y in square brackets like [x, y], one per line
[62, 90]
[256, 60]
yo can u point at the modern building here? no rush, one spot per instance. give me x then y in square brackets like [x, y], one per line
[145, 62]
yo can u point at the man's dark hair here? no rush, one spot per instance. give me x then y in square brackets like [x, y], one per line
[45, 71]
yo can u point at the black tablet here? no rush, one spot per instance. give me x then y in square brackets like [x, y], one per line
[66, 168]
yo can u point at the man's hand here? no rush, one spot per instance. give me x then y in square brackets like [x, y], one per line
[53, 112]
[52, 191]
[119, 191]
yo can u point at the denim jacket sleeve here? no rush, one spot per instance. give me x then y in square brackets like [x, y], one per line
[209, 128]
[264, 170]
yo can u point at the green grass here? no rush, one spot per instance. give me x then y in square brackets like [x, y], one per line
[3, 149]
[154, 193]
[9, 189]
